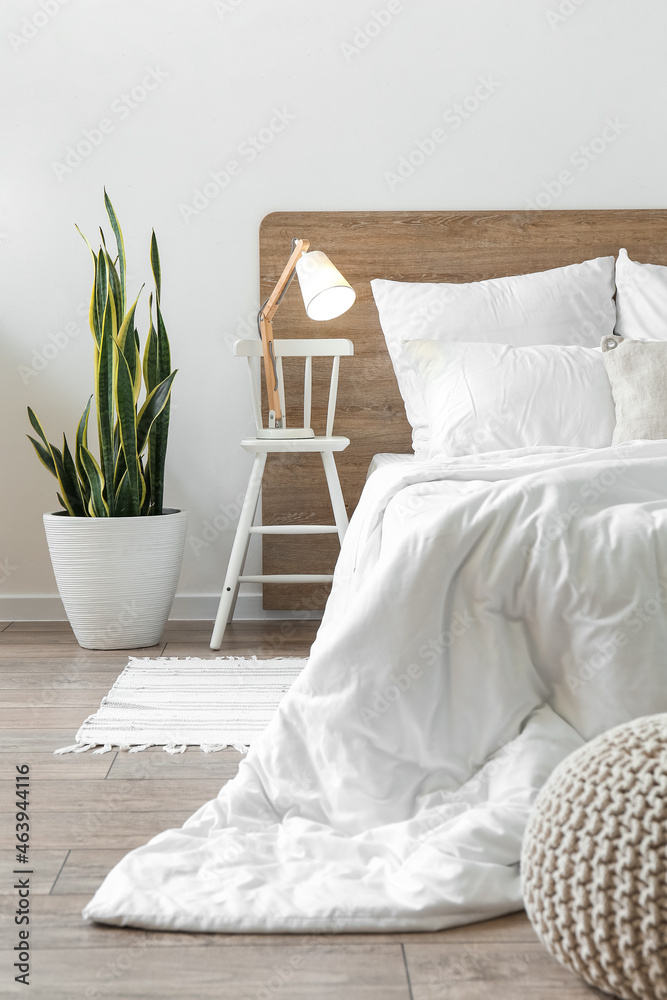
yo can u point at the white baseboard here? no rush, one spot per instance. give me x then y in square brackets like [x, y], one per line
[187, 607]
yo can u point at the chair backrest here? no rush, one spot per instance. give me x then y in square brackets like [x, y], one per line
[308, 349]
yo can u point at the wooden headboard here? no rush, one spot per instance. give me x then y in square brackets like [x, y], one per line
[405, 246]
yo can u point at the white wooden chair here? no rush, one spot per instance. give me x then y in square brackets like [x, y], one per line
[268, 441]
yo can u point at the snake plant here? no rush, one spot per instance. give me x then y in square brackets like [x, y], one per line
[128, 478]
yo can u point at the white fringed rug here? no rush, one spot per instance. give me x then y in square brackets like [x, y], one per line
[175, 703]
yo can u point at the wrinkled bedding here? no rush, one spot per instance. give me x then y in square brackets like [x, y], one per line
[488, 616]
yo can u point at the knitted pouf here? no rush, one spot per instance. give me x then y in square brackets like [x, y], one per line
[594, 861]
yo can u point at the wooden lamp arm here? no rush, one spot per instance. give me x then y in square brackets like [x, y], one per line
[266, 314]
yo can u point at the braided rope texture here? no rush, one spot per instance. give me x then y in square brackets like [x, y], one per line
[594, 861]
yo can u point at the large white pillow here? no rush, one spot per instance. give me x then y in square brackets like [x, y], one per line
[492, 397]
[565, 305]
[641, 299]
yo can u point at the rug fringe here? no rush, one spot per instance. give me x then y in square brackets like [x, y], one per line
[171, 748]
[76, 748]
[215, 659]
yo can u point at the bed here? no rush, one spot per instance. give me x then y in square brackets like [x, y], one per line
[414, 247]
[499, 600]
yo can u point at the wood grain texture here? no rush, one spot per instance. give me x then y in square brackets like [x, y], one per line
[76, 794]
[160, 766]
[19, 743]
[46, 866]
[52, 768]
[503, 970]
[84, 871]
[403, 246]
[121, 829]
[237, 972]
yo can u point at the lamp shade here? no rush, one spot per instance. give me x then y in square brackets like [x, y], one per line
[326, 293]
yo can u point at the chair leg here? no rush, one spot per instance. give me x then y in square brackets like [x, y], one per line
[237, 588]
[239, 550]
[336, 494]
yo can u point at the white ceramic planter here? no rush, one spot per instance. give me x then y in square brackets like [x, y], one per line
[117, 576]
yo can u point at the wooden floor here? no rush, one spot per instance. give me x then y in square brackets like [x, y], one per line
[87, 811]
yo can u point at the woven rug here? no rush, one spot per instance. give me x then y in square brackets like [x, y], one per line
[175, 703]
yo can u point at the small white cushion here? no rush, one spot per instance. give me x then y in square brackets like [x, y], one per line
[641, 299]
[491, 397]
[564, 305]
[637, 372]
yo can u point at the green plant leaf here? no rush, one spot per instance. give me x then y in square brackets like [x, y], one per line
[137, 365]
[43, 450]
[97, 506]
[104, 395]
[124, 499]
[157, 442]
[127, 419]
[70, 481]
[63, 479]
[128, 325]
[124, 506]
[163, 350]
[128, 343]
[153, 406]
[93, 317]
[150, 352]
[82, 441]
[44, 455]
[120, 246]
[85, 240]
[119, 468]
[146, 502]
[117, 450]
[114, 285]
[155, 266]
[53, 459]
[101, 295]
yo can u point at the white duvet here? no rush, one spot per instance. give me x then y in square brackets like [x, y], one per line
[488, 616]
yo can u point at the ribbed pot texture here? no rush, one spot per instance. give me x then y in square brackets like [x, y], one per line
[117, 576]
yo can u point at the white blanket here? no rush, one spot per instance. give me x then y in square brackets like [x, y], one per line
[488, 616]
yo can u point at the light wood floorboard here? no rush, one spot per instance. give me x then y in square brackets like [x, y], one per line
[50, 767]
[88, 810]
[508, 971]
[46, 865]
[76, 795]
[299, 971]
[191, 765]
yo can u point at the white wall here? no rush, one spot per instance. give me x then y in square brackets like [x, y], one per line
[356, 103]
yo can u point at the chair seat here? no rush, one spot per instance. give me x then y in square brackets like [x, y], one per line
[313, 444]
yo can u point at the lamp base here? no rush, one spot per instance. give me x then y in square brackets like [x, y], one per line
[286, 432]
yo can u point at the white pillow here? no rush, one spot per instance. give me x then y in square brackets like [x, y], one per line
[492, 397]
[565, 305]
[641, 299]
[637, 371]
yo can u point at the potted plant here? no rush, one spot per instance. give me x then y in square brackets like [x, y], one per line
[116, 551]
